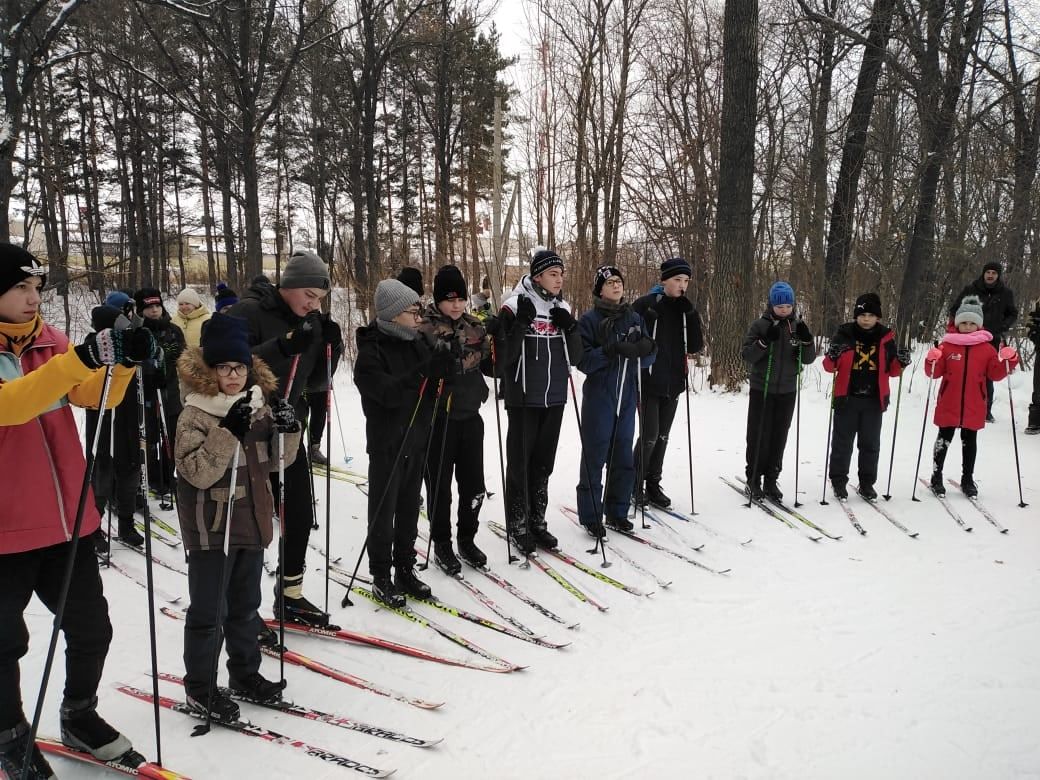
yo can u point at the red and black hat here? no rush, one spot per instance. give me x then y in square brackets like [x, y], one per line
[449, 285]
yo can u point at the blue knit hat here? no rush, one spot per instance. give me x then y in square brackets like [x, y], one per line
[781, 294]
[225, 339]
[225, 297]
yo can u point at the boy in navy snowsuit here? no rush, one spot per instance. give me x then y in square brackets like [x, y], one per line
[616, 345]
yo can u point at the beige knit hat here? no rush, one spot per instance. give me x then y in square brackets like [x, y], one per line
[188, 295]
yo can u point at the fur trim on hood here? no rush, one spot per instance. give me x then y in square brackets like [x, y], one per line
[197, 377]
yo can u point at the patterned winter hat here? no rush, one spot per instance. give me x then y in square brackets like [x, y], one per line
[674, 266]
[543, 259]
[147, 296]
[868, 303]
[604, 274]
[17, 264]
[781, 294]
[970, 310]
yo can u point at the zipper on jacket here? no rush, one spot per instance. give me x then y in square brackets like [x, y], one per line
[964, 383]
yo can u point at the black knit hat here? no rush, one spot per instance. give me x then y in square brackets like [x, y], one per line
[412, 277]
[147, 296]
[449, 284]
[17, 264]
[225, 339]
[543, 259]
[674, 266]
[867, 303]
[993, 265]
[603, 274]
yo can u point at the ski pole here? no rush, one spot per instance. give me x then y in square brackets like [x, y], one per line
[281, 527]
[436, 492]
[640, 402]
[895, 430]
[339, 424]
[610, 452]
[498, 426]
[66, 581]
[203, 728]
[830, 424]
[798, 425]
[346, 602]
[584, 454]
[1014, 437]
[753, 477]
[112, 473]
[689, 428]
[166, 449]
[924, 425]
[328, 470]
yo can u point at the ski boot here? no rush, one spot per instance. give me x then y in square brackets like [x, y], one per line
[444, 556]
[840, 487]
[256, 687]
[297, 608]
[471, 554]
[127, 534]
[866, 491]
[519, 535]
[968, 486]
[83, 729]
[384, 590]
[753, 489]
[936, 484]
[219, 706]
[542, 537]
[594, 528]
[656, 496]
[772, 490]
[101, 546]
[407, 582]
[13, 744]
[316, 457]
[1033, 428]
[639, 497]
[620, 523]
[267, 637]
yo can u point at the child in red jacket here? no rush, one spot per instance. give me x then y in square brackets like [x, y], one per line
[965, 360]
[863, 354]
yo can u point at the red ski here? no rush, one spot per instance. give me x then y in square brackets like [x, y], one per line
[55, 748]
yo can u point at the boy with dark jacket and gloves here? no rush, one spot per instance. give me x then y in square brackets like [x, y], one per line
[288, 332]
[862, 356]
[615, 347]
[227, 411]
[396, 373]
[457, 438]
[537, 344]
[675, 326]
[776, 346]
[999, 312]
[40, 376]
[966, 360]
[1033, 425]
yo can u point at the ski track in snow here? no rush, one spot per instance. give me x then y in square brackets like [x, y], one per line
[876, 656]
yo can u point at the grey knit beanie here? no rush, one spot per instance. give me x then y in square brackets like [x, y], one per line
[970, 310]
[392, 298]
[305, 269]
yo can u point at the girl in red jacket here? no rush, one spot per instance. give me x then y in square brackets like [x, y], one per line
[44, 464]
[965, 360]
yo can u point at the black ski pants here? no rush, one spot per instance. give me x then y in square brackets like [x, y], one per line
[456, 446]
[534, 434]
[658, 415]
[317, 401]
[393, 504]
[969, 449]
[85, 622]
[1034, 405]
[299, 512]
[856, 420]
[769, 420]
[237, 615]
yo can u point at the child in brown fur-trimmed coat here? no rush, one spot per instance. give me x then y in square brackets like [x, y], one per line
[224, 411]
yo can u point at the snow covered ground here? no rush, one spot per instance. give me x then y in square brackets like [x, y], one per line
[875, 656]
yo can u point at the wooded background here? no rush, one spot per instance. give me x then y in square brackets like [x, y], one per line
[844, 146]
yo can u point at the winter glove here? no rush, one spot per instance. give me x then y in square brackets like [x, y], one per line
[492, 325]
[650, 317]
[798, 349]
[904, 357]
[442, 365]
[773, 331]
[1007, 354]
[562, 319]
[103, 348]
[284, 416]
[933, 354]
[298, 339]
[802, 332]
[525, 311]
[331, 333]
[835, 351]
[238, 418]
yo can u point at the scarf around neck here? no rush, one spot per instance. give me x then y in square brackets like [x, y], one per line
[396, 331]
[219, 404]
[981, 336]
[612, 311]
[20, 336]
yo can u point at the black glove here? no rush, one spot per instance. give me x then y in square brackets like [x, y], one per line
[773, 331]
[835, 351]
[802, 332]
[298, 339]
[238, 418]
[99, 349]
[798, 349]
[442, 365]
[331, 333]
[562, 319]
[525, 311]
[904, 357]
[492, 325]
[650, 317]
[284, 416]
[684, 304]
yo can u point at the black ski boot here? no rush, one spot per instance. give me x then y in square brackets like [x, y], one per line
[936, 484]
[444, 556]
[968, 486]
[772, 490]
[317, 458]
[128, 534]
[656, 496]
[542, 537]
[520, 536]
[408, 583]
[297, 608]
[219, 706]
[101, 547]
[866, 490]
[471, 554]
[594, 528]
[840, 486]
[383, 588]
[620, 523]
[83, 729]
[13, 743]
[256, 687]
[753, 489]
[267, 637]
[639, 497]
